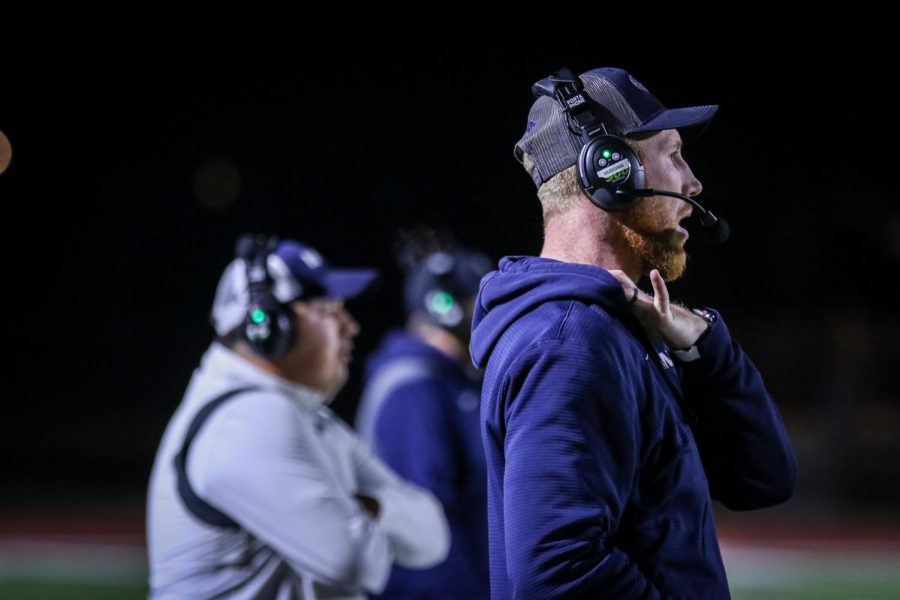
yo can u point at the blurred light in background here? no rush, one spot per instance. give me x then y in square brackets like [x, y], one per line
[5, 152]
[217, 184]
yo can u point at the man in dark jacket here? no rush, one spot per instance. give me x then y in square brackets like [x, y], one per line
[612, 417]
[420, 412]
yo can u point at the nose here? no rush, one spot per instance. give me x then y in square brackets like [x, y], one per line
[692, 186]
[349, 326]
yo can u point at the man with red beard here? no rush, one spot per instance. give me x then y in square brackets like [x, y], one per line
[611, 418]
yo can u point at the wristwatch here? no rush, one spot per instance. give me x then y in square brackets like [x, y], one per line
[692, 353]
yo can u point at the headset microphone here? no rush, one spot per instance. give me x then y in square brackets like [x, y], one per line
[715, 229]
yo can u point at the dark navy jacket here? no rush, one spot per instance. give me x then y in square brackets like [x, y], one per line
[603, 454]
[420, 413]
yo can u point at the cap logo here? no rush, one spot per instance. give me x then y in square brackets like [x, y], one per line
[531, 125]
[285, 284]
[312, 258]
[637, 84]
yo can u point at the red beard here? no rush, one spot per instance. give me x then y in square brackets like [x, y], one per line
[656, 242]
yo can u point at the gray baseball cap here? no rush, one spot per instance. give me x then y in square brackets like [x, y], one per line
[625, 106]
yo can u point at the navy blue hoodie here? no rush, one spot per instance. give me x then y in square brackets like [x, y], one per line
[603, 453]
[419, 413]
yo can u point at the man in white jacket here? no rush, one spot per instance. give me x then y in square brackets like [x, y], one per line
[260, 491]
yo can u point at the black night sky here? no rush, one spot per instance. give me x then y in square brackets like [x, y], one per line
[117, 231]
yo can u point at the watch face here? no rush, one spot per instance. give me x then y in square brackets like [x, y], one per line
[709, 317]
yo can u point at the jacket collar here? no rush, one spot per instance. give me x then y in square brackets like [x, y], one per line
[226, 365]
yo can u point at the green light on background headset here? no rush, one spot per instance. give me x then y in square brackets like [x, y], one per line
[606, 153]
[258, 316]
[442, 303]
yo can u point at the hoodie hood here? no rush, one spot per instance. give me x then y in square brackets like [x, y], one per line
[522, 283]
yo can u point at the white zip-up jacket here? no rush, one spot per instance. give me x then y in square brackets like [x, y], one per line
[285, 468]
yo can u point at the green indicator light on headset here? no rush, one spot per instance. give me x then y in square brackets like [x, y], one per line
[442, 303]
[258, 316]
[606, 153]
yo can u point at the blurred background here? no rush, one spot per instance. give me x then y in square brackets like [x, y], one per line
[136, 165]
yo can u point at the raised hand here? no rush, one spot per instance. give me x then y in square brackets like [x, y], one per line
[662, 319]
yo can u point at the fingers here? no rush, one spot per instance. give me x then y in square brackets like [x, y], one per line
[658, 303]
[629, 288]
[660, 292]
[655, 311]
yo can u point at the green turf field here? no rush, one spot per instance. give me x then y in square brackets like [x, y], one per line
[57, 589]
[811, 572]
[755, 573]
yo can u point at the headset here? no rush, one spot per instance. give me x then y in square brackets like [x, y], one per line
[439, 284]
[609, 170]
[440, 302]
[269, 326]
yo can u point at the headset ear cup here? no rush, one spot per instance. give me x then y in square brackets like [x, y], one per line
[269, 329]
[608, 169]
[269, 325]
[438, 301]
[443, 309]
